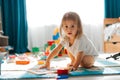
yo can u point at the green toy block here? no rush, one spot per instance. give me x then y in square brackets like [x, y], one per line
[52, 47]
[35, 49]
[45, 46]
[56, 57]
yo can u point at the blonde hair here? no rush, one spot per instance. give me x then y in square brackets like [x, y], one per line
[74, 17]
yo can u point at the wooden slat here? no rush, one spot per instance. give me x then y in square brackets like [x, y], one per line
[111, 20]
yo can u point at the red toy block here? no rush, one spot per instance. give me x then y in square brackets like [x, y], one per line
[62, 72]
[65, 51]
[47, 53]
[60, 54]
[50, 42]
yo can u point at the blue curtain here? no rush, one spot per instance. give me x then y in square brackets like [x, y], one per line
[112, 8]
[14, 22]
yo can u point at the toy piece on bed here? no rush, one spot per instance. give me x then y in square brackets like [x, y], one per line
[11, 58]
[22, 60]
[115, 56]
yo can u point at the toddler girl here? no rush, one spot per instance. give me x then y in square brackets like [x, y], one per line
[81, 50]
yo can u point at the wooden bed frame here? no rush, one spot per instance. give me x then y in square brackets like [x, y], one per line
[111, 20]
[112, 45]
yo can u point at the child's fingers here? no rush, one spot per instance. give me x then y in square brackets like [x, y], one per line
[41, 67]
[68, 65]
[48, 67]
[69, 68]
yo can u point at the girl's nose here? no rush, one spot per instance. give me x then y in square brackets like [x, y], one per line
[69, 27]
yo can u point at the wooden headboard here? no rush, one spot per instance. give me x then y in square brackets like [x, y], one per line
[111, 20]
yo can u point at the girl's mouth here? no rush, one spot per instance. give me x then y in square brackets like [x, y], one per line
[69, 33]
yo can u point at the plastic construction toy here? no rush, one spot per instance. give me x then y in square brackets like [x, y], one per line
[35, 51]
[40, 62]
[62, 71]
[51, 44]
[11, 58]
[6, 48]
[62, 74]
[22, 60]
[56, 35]
[115, 56]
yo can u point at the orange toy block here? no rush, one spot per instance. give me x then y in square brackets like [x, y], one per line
[41, 62]
[22, 60]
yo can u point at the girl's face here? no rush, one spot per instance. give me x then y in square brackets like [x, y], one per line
[70, 28]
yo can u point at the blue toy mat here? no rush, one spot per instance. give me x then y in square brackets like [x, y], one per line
[96, 71]
[102, 67]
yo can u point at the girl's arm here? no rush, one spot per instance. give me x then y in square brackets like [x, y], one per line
[78, 59]
[54, 52]
[72, 58]
[51, 55]
[75, 60]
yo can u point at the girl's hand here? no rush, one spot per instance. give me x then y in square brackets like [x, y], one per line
[47, 66]
[71, 68]
[69, 65]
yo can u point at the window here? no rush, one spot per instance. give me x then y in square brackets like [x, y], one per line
[45, 12]
[44, 15]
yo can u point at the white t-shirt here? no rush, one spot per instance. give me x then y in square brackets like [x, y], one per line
[82, 44]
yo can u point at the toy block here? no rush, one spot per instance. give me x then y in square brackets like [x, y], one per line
[22, 60]
[11, 59]
[56, 30]
[5, 48]
[65, 51]
[45, 46]
[50, 42]
[44, 57]
[41, 62]
[56, 57]
[62, 77]
[28, 53]
[52, 47]
[35, 49]
[62, 71]
[57, 41]
[56, 36]
[47, 53]
[60, 54]
[48, 48]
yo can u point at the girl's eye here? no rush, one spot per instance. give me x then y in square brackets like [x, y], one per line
[72, 26]
[66, 26]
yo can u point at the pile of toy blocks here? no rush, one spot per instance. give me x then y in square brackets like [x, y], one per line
[51, 44]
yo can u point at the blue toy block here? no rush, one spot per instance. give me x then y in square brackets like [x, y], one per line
[62, 76]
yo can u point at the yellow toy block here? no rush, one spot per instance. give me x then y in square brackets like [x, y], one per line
[56, 30]
[57, 41]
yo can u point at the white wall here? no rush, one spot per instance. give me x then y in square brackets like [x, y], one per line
[39, 36]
